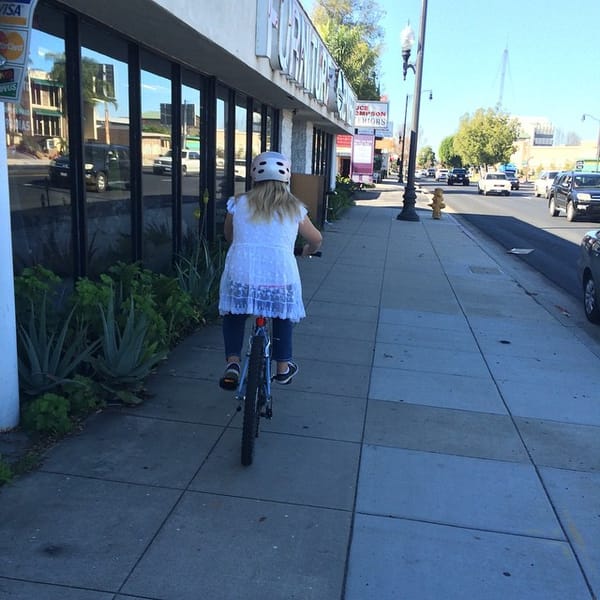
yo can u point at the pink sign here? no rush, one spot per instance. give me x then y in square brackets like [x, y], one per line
[363, 148]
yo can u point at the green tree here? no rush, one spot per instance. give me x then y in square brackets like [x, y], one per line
[426, 157]
[448, 155]
[365, 14]
[486, 138]
[352, 34]
[93, 89]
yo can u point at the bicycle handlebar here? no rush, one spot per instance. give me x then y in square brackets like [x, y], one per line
[299, 249]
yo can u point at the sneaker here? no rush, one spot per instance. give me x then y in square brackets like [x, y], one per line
[285, 378]
[231, 377]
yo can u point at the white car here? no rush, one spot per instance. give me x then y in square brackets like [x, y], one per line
[190, 163]
[441, 175]
[240, 170]
[541, 186]
[494, 183]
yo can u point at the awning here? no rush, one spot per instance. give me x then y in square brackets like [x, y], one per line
[44, 112]
[48, 82]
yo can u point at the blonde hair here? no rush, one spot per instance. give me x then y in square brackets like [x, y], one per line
[269, 199]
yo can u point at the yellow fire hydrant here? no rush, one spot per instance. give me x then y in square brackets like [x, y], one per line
[437, 203]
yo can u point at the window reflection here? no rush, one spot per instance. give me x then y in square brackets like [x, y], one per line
[36, 133]
[106, 153]
[222, 166]
[193, 210]
[256, 130]
[240, 147]
[156, 143]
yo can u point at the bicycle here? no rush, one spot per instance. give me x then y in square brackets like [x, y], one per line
[254, 388]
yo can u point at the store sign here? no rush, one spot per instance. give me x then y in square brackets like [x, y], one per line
[371, 114]
[385, 132]
[15, 30]
[363, 150]
[343, 145]
[285, 35]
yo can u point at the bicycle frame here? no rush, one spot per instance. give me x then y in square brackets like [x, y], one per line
[254, 390]
[261, 328]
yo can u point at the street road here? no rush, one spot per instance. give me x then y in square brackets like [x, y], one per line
[522, 221]
[29, 188]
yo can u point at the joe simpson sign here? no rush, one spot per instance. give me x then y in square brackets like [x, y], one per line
[371, 114]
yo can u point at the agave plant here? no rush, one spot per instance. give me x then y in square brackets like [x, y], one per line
[199, 275]
[46, 359]
[125, 357]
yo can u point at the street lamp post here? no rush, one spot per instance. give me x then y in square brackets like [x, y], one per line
[598, 142]
[408, 212]
[401, 170]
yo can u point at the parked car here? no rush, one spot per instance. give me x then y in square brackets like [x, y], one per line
[494, 183]
[458, 175]
[514, 180]
[105, 165]
[541, 186]
[239, 170]
[577, 193]
[588, 265]
[190, 163]
[441, 175]
[431, 172]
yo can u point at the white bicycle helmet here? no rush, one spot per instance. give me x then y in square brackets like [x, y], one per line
[271, 166]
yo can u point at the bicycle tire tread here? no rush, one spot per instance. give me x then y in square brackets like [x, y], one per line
[251, 414]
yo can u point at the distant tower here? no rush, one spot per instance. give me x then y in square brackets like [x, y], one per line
[502, 76]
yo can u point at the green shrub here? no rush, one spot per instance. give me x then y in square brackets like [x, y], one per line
[177, 307]
[84, 396]
[6, 473]
[342, 199]
[127, 355]
[123, 282]
[48, 356]
[48, 413]
[199, 275]
[34, 286]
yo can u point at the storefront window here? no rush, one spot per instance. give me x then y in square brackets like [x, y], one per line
[193, 209]
[36, 134]
[256, 130]
[157, 162]
[240, 146]
[106, 152]
[222, 166]
[269, 130]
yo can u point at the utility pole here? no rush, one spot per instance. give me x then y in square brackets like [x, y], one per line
[9, 371]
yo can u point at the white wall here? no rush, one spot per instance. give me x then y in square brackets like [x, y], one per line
[9, 374]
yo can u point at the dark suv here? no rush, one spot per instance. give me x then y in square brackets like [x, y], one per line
[577, 193]
[458, 176]
[104, 164]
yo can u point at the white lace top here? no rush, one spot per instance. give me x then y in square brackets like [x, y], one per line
[261, 273]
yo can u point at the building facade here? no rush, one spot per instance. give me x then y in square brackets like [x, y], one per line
[113, 86]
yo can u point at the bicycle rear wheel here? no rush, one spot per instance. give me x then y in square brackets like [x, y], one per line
[256, 369]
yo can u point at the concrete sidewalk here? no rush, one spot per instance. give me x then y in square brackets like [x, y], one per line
[442, 441]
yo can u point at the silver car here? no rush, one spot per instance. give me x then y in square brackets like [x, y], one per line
[589, 274]
[541, 186]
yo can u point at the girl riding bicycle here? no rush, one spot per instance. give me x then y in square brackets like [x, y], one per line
[261, 273]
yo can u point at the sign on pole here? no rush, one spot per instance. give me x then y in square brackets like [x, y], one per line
[373, 115]
[16, 19]
[363, 149]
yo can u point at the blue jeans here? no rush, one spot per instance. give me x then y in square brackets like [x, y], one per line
[233, 336]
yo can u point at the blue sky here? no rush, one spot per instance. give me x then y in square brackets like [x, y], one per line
[552, 69]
